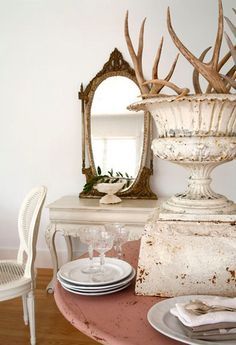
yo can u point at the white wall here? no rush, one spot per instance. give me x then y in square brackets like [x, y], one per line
[47, 48]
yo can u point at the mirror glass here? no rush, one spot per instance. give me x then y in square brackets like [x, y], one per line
[116, 133]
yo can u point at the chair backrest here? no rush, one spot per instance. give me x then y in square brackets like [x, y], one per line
[28, 226]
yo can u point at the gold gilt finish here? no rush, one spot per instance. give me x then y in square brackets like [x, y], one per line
[140, 188]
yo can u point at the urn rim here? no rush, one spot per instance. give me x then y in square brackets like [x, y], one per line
[140, 105]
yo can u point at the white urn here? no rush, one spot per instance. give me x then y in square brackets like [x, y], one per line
[199, 133]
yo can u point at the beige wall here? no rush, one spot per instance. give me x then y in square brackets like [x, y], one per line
[48, 47]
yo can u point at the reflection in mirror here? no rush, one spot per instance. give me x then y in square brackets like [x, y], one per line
[116, 133]
[113, 138]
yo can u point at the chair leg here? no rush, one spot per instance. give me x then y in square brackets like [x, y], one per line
[31, 311]
[25, 310]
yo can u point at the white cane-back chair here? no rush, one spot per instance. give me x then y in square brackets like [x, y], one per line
[17, 277]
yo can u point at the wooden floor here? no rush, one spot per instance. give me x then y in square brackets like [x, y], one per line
[51, 327]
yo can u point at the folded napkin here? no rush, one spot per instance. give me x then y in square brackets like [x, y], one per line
[213, 326]
[189, 319]
[213, 334]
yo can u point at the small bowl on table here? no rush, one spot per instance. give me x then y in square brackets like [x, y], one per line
[109, 189]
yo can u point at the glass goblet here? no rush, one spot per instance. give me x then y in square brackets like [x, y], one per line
[88, 236]
[103, 242]
[121, 236]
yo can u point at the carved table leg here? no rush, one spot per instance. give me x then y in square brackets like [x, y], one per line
[69, 248]
[50, 239]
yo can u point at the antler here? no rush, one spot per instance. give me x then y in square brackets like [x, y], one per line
[181, 92]
[196, 83]
[137, 59]
[228, 77]
[229, 42]
[207, 70]
[157, 84]
[157, 87]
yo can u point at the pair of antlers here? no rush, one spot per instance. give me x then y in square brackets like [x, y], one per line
[210, 70]
[157, 84]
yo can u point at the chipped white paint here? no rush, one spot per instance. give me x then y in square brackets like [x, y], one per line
[195, 115]
[189, 245]
[199, 133]
[187, 257]
[200, 155]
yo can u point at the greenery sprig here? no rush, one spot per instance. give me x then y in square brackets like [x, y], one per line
[110, 177]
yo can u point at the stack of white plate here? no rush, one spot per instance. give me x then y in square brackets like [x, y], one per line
[117, 275]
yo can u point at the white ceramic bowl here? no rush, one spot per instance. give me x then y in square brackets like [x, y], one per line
[110, 189]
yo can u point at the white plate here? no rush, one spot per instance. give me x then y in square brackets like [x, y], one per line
[160, 318]
[72, 271]
[95, 288]
[99, 293]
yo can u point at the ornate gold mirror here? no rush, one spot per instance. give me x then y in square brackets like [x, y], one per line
[115, 141]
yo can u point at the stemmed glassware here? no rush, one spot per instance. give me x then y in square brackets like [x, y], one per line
[88, 236]
[102, 239]
[103, 242]
[121, 236]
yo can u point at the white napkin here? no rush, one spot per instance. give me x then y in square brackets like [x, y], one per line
[191, 320]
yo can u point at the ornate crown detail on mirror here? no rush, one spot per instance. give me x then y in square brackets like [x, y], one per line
[115, 141]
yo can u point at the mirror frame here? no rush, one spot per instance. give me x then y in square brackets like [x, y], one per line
[140, 188]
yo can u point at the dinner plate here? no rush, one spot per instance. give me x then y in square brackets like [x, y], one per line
[90, 291]
[117, 270]
[98, 293]
[163, 321]
[101, 287]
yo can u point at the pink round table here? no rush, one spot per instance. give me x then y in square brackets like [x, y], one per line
[115, 319]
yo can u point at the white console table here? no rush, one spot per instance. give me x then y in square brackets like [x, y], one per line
[68, 214]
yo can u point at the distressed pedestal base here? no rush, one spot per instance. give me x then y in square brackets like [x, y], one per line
[187, 256]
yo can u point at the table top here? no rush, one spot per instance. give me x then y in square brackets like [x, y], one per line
[115, 319]
[74, 202]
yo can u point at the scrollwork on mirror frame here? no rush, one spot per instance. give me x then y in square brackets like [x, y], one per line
[140, 188]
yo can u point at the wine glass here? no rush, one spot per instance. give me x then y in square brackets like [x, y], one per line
[103, 242]
[88, 236]
[121, 236]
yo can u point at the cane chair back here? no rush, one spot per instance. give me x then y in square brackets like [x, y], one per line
[17, 277]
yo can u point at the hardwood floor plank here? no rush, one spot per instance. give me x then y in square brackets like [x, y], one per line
[51, 327]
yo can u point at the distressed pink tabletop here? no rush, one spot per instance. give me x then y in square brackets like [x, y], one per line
[115, 319]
